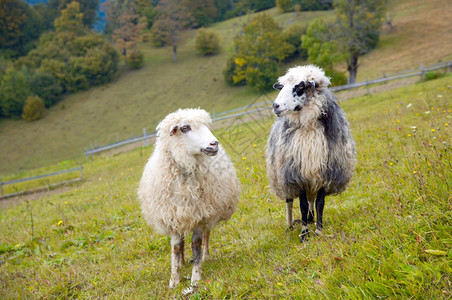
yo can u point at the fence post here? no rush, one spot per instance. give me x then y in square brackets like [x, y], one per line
[1, 186]
[144, 135]
[81, 171]
[367, 85]
[421, 68]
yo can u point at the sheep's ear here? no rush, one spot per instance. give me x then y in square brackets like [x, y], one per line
[173, 130]
[278, 86]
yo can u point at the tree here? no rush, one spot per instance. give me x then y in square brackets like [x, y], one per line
[71, 20]
[258, 53]
[320, 43]
[88, 9]
[20, 26]
[358, 29]
[129, 32]
[13, 93]
[171, 19]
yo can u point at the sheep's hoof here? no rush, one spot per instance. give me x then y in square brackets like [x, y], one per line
[188, 290]
[319, 232]
[294, 225]
[303, 236]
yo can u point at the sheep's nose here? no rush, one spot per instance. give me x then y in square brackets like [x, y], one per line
[275, 105]
[214, 143]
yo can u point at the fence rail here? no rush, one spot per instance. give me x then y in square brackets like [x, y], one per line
[4, 183]
[249, 109]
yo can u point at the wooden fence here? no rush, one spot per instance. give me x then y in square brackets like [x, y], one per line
[41, 188]
[258, 107]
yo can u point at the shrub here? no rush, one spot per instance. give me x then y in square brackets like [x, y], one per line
[207, 41]
[135, 59]
[432, 75]
[34, 109]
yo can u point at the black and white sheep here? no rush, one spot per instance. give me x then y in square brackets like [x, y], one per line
[310, 150]
[188, 185]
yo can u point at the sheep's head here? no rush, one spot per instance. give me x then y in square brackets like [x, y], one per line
[196, 139]
[297, 87]
[186, 132]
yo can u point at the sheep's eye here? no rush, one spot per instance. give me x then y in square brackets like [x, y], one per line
[185, 128]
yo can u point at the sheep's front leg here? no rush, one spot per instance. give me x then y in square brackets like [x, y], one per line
[177, 247]
[319, 204]
[205, 245]
[304, 207]
[196, 245]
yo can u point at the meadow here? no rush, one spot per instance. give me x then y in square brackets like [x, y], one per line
[388, 236]
[139, 99]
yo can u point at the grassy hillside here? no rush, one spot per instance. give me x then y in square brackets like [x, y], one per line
[389, 234]
[139, 99]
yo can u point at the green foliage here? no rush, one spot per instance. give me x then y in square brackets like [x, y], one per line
[260, 47]
[46, 86]
[14, 91]
[77, 62]
[320, 44]
[71, 20]
[208, 41]
[310, 5]
[336, 77]
[203, 12]
[20, 26]
[431, 75]
[88, 9]
[292, 35]
[284, 5]
[34, 109]
[135, 59]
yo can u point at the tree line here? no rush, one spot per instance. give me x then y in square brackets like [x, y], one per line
[48, 50]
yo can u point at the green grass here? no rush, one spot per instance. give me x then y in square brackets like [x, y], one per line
[139, 99]
[390, 232]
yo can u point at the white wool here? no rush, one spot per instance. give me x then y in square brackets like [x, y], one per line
[179, 190]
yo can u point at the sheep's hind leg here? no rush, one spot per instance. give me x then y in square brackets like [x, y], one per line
[304, 208]
[177, 246]
[205, 245]
[311, 211]
[319, 204]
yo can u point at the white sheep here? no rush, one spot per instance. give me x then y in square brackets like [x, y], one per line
[310, 150]
[188, 185]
